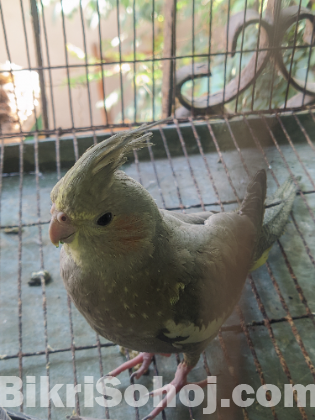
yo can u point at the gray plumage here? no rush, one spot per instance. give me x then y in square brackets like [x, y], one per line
[278, 208]
[153, 280]
[9, 415]
[4, 414]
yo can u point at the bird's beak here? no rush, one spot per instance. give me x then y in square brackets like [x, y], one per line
[60, 229]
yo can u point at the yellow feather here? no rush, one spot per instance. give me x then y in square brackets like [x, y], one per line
[261, 260]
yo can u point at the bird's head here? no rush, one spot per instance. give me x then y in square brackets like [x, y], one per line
[96, 204]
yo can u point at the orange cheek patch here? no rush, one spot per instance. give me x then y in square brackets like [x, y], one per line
[130, 231]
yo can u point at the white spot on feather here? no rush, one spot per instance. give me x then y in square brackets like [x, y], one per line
[177, 346]
[192, 331]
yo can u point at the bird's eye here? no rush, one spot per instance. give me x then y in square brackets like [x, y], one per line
[105, 219]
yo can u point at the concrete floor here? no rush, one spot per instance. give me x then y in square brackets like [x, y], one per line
[237, 364]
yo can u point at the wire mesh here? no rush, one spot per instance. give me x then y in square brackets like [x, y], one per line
[127, 81]
[274, 321]
[190, 192]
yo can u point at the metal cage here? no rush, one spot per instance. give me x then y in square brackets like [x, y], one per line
[202, 159]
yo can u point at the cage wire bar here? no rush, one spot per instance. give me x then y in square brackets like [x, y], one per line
[245, 328]
[102, 63]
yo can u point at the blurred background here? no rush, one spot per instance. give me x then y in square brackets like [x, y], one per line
[90, 63]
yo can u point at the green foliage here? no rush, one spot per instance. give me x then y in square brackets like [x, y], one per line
[95, 8]
[199, 16]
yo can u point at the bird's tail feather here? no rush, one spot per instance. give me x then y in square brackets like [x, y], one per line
[253, 203]
[278, 208]
[4, 414]
[8, 415]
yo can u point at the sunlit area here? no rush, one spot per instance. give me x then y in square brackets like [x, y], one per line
[99, 63]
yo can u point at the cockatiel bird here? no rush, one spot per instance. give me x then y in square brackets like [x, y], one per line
[149, 279]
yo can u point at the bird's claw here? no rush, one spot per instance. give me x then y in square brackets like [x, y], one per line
[160, 391]
[146, 361]
[144, 358]
[133, 376]
[172, 389]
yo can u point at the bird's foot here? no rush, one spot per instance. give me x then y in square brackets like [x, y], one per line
[172, 389]
[144, 358]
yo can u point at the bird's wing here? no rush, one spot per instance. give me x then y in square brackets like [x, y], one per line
[191, 218]
[214, 260]
[222, 252]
